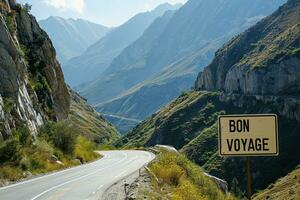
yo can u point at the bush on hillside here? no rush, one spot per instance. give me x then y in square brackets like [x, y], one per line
[10, 173]
[84, 149]
[185, 179]
[8, 105]
[10, 151]
[61, 134]
[55, 142]
[23, 135]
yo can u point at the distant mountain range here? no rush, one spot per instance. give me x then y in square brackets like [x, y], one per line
[88, 66]
[166, 59]
[256, 72]
[72, 37]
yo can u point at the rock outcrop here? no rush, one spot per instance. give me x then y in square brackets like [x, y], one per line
[263, 63]
[257, 72]
[32, 87]
[264, 60]
[167, 58]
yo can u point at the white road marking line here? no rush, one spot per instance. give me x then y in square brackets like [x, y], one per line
[52, 174]
[117, 176]
[101, 186]
[76, 179]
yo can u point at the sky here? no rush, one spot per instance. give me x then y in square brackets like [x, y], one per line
[110, 13]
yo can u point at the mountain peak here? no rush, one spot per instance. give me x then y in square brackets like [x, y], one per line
[167, 6]
[71, 37]
[98, 57]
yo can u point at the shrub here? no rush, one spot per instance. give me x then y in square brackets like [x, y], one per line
[44, 149]
[8, 105]
[10, 151]
[25, 163]
[23, 135]
[24, 51]
[186, 179]
[20, 153]
[188, 191]
[27, 7]
[10, 173]
[61, 134]
[9, 20]
[18, 7]
[84, 149]
[170, 174]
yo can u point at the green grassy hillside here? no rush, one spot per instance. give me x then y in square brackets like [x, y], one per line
[180, 179]
[150, 95]
[257, 72]
[90, 123]
[166, 59]
[286, 188]
[188, 123]
[58, 145]
[38, 133]
[178, 123]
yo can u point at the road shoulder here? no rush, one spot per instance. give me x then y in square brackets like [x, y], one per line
[131, 187]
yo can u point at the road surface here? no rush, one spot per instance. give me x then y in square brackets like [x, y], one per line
[122, 118]
[83, 182]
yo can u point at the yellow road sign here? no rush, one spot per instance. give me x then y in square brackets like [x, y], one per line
[248, 135]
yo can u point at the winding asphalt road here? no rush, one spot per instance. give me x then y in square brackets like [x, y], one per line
[84, 182]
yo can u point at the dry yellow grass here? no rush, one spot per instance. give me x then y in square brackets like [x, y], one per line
[180, 179]
[286, 188]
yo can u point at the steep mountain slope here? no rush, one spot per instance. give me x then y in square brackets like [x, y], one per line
[89, 122]
[188, 123]
[149, 96]
[131, 68]
[171, 52]
[287, 187]
[176, 124]
[267, 57]
[98, 57]
[267, 53]
[261, 67]
[111, 77]
[39, 129]
[72, 37]
[32, 87]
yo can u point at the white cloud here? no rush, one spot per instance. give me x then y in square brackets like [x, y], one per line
[73, 5]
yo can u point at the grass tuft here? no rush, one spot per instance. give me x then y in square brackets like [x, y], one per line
[57, 146]
[183, 180]
[84, 150]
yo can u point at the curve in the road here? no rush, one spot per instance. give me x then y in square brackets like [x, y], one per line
[83, 182]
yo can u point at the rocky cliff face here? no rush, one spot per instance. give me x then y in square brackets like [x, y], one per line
[257, 72]
[264, 60]
[167, 58]
[261, 64]
[32, 87]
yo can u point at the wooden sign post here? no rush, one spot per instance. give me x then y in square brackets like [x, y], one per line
[248, 135]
